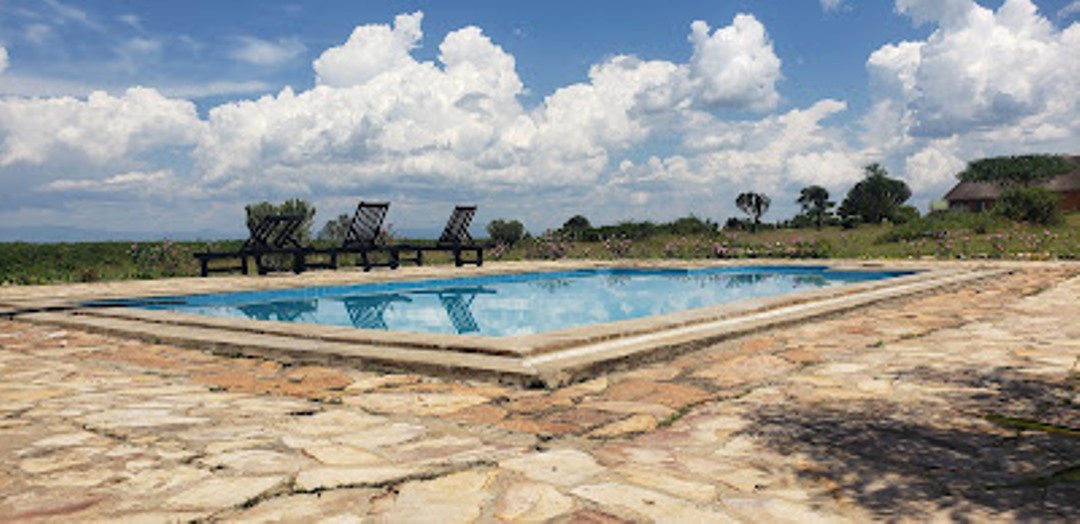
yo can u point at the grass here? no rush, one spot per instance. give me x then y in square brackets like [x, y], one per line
[948, 236]
[674, 417]
[23, 263]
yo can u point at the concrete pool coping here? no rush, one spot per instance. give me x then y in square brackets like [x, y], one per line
[547, 359]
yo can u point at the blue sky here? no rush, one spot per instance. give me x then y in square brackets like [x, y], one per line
[158, 118]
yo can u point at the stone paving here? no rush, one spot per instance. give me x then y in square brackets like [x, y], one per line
[961, 405]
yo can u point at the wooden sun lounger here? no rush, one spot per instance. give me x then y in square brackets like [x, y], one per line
[271, 234]
[455, 239]
[362, 236]
[278, 235]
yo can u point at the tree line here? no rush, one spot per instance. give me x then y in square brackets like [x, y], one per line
[878, 197]
[874, 199]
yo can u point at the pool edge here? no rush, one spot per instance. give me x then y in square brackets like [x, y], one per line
[523, 363]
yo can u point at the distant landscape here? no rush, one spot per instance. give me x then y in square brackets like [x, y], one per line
[1024, 218]
[945, 236]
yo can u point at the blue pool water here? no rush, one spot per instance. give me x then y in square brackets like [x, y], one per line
[518, 304]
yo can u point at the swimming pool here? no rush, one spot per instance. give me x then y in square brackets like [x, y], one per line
[463, 307]
[512, 305]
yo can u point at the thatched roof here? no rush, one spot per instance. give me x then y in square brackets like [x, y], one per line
[1063, 183]
[964, 191]
[973, 191]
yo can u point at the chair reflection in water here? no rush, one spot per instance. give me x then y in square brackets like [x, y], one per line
[457, 302]
[290, 311]
[367, 312]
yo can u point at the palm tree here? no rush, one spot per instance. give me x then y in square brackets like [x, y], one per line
[815, 203]
[754, 205]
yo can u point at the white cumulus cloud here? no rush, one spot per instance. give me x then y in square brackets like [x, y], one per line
[983, 83]
[377, 113]
[371, 120]
[3, 59]
[265, 52]
[777, 150]
[735, 66]
[381, 122]
[586, 122]
[370, 51]
[778, 155]
[102, 128]
[979, 68]
[935, 165]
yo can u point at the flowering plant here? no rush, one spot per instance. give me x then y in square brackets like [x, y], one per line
[153, 259]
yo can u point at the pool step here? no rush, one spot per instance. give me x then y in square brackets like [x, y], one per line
[306, 350]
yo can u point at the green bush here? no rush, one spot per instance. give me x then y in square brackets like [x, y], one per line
[690, 225]
[934, 225]
[905, 214]
[850, 222]
[294, 205]
[1035, 205]
[552, 245]
[335, 230]
[153, 260]
[579, 229]
[507, 232]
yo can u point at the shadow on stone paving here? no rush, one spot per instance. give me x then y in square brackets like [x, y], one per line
[906, 461]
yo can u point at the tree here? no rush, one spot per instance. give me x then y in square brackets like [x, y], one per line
[815, 203]
[1037, 205]
[876, 197]
[755, 205]
[1011, 171]
[507, 232]
[294, 205]
[335, 230]
[577, 222]
[905, 214]
[577, 226]
[690, 225]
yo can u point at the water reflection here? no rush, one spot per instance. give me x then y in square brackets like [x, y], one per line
[366, 311]
[616, 279]
[747, 280]
[290, 311]
[551, 285]
[810, 281]
[521, 306]
[457, 301]
[728, 280]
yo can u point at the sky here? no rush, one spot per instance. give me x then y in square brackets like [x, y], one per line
[143, 119]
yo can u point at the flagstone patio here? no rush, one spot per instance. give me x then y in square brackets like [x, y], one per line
[956, 404]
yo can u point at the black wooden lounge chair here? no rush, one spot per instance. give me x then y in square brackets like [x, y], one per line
[455, 239]
[362, 236]
[272, 235]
